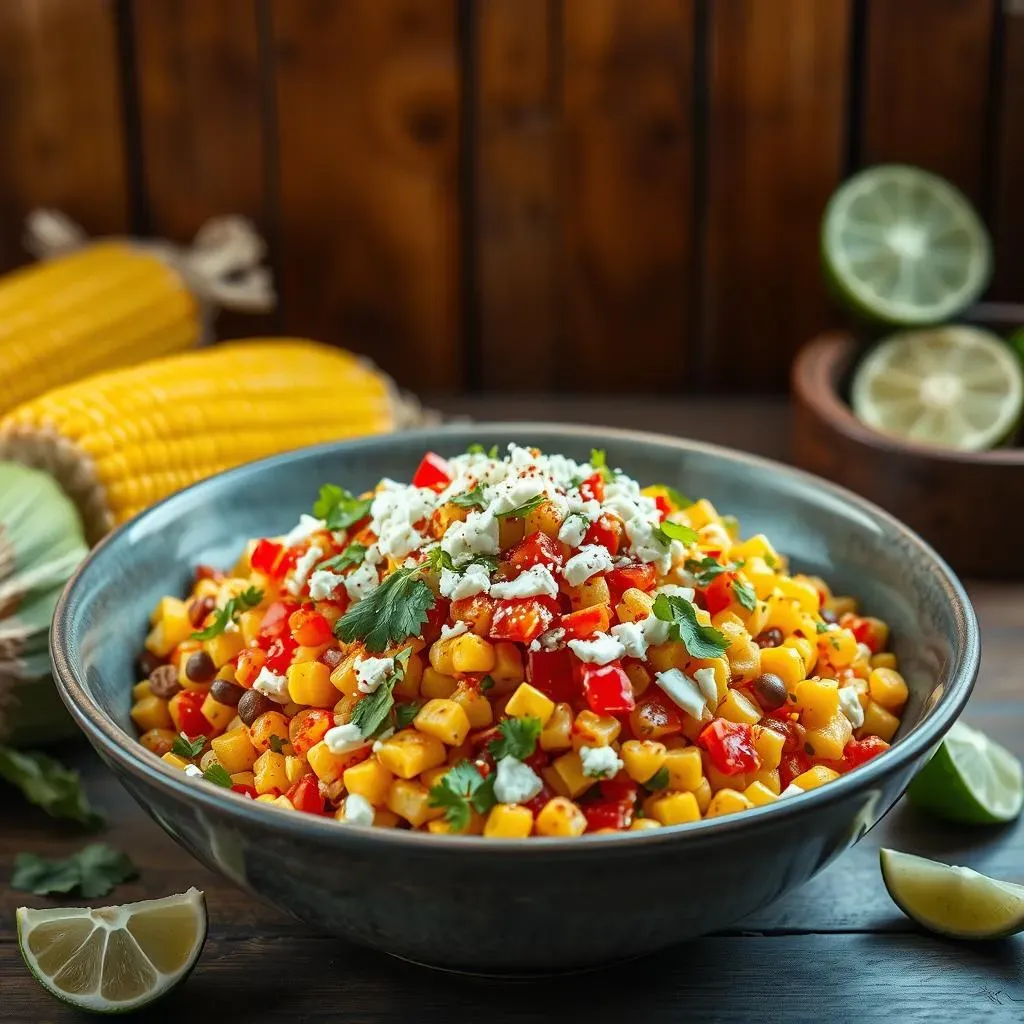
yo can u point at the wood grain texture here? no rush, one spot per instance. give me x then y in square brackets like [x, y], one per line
[626, 194]
[515, 113]
[926, 87]
[368, 104]
[61, 132]
[778, 74]
[202, 122]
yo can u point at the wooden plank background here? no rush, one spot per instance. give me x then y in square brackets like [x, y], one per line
[516, 195]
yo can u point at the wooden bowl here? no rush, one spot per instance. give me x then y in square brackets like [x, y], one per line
[967, 505]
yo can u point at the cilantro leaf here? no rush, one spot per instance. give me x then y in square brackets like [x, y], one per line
[276, 743]
[706, 570]
[745, 594]
[242, 602]
[699, 641]
[48, 784]
[188, 748]
[677, 498]
[461, 790]
[471, 499]
[218, 775]
[669, 532]
[403, 715]
[397, 609]
[771, 561]
[487, 683]
[478, 449]
[659, 780]
[374, 709]
[352, 555]
[438, 559]
[599, 462]
[820, 627]
[525, 509]
[339, 508]
[93, 871]
[517, 738]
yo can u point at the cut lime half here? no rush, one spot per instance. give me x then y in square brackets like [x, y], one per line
[904, 247]
[955, 387]
[969, 779]
[114, 959]
[950, 900]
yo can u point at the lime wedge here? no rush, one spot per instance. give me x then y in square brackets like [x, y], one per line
[956, 387]
[969, 779]
[951, 900]
[114, 959]
[903, 247]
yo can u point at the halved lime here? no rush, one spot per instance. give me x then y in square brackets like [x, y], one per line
[970, 779]
[904, 247]
[956, 387]
[951, 900]
[114, 959]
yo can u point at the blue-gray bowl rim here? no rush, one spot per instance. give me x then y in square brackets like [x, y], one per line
[134, 758]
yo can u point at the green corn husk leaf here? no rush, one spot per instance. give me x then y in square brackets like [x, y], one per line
[41, 544]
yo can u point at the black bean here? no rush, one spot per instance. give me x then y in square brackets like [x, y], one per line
[199, 609]
[828, 615]
[770, 691]
[769, 638]
[149, 663]
[253, 704]
[163, 681]
[224, 691]
[200, 667]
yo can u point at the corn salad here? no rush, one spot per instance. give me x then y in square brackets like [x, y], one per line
[515, 646]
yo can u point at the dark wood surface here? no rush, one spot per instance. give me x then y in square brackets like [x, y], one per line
[836, 950]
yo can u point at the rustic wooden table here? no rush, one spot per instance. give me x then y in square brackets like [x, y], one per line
[836, 951]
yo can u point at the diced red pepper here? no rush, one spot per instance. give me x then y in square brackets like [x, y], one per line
[193, 722]
[857, 752]
[607, 689]
[520, 619]
[605, 531]
[551, 672]
[476, 611]
[433, 472]
[622, 791]
[664, 507]
[305, 795]
[249, 791]
[309, 628]
[641, 577]
[868, 631]
[279, 654]
[586, 622]
[537, 804]
[730, 745]
[592, 489]
[266, 556]
[603, 814]
[275, 619]
[718, 595]
[791, 766]
[537, 549]
[437, 616]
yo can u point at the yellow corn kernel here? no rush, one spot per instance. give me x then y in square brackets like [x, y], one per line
[510, 532]
[816, 775]
[140, 690]
[639, 677]
[266, 798]
[685, 769]
[665, 657]
[528, 702]
[636, 604]
[703, 795]
[270, 773]
[445, 719]
[383, 818]
[829, 741]
[509, 821]
[783, 614]
[410, 752]
[243, 779]
[158, 741]
[172, 627]
[593, 592]
[567, 770]
[699, 514]
[591, 730]
[225, 647]
[642, 824]
[408, 685]
[433, 776]
[545, 518]
[472, 654]
[474, 827]
[737, 707]
[728, 801]
[476, 705]
[309, 684]
[411, 800]
[719, 780]
[269, 724]
[327, 766]
[839, 646]
[369, 779]
[217, 714]
[674, 808]
[235, 751]
[720, 666]
[744, 656]
[768, 743]
[808, 651]
[560, 817]
[757, 546]
[642, 758]
[886, 659]
[295, 768]
[888, 688]
[508, 663]
[152, 713]
[799, 589]
[447, 514]
[174, 761]
[557, 733]
[435, 684]
[879, 722]
[442, 657]
[759, 794]
[769, 778]
[818, 700]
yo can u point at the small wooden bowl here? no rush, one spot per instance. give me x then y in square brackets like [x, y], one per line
[968, 505]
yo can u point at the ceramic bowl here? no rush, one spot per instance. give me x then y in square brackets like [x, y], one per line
[535, 905]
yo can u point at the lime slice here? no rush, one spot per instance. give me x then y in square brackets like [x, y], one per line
[114, 959]
[956, 387]
[969, 779]
[951, 900]
[903, 247]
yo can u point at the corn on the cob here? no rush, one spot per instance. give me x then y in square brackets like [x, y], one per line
[118, 442]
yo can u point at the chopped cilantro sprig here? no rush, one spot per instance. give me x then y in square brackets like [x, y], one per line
[248, 598]
[461, 791]
[340, 509]
[699, 641]
[396, 610]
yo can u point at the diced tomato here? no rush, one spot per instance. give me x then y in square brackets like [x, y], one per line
[730, 745]
[655, 716]
[791, 766]
[249, 791]
[537, 804]
[437, 616]
[551, 673]
[265, 556]
[857, 752]
[279, 654]
[308, 728]
[870, 632]
[305, 795]
[607, 689]
[592, 489]
[275, 619]
[605, 531]
[780, 722]
[642, 577]
[603, 814]
[189, 706]
[433, 472]
[664, 507]
[537, 549]
[586, 622]
[309, 628]
[622, 791]
[718, 595]
[520, 619]
[476, 611]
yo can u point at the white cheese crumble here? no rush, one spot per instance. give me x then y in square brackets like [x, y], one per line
[849, 704]
[271, 685]
[344, 738]
[357, 810]
[395, 510]
[536, 581]
[382, 739]
[863, 653]
[371, 672]
[656, 631]
[449, 632]
[631, 636]
[705, 680]
[193, 772]
[682, 691]
[456, 586]
[478, 535]
[672, 590]
[792, 790]
[515, 782]
[599, 650]
[362, 581]
[323, 583]
[574, 529]
[600, 762]
[306, 527]
[549, 640]
[588, 561]
[303, 567]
